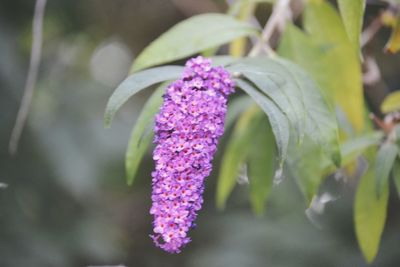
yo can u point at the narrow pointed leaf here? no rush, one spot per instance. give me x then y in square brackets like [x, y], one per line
[298, 96]
[320, 124]
[142, 134]
[340, 72]
[279, 123]
[191, 36]
[307, 165]
[245, 11]
[370, 214]
[393, 45]
[391, 102]
[135, 83]
[353, 148]
[236, 107]
[261, 166]
[271, 80]
[234, 155]
[222, 60]
[384, 162]
[352, 13]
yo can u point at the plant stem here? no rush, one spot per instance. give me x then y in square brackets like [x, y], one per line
[37, 32]
[277, 20]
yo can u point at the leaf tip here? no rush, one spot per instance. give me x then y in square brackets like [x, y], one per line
[129, 180]
[106, 122]
[220, 203]
[369, 256]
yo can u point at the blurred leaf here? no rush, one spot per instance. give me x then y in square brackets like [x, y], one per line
[235, 154]
[352, 12]
[370, 214]
[353, 148]
[299, 47]
[307, 166]
[190, 37]
[393, 45]
[261, 161]
[136, 82]
[222, 60]
[396, 132]
[340, 72]
[234, 8]
[278, 121]
[298, 96]
[384, 162]
[236, 107]
[140, 140]
[391, 102]
[396, 175]
[245, 11]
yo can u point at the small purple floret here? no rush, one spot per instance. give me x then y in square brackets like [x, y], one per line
[187, 130]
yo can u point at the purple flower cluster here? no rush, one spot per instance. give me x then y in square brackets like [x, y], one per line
[187, 130]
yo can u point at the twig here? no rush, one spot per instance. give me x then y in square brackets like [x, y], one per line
[276, 21]
[372, 73]
[371, 30]
[37, 31]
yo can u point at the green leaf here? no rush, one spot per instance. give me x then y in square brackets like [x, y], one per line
[222, 60]
[320, 144]
[353, 148]
[191, 36]
[237, 106]
[298, 96]
[279, 123]
[269, 77]
[135, 83]
[320, 124]
[352, 12]
[384, 162]
[235, 8]
[391, 102]
[261, 161]
[329, 57]
[235, 154]
[393, 45]
[370, 214]
[140, 140]
[396, 133]
[307, 167]
[245, 10]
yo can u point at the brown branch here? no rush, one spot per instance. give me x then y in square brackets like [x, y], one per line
[37, 31]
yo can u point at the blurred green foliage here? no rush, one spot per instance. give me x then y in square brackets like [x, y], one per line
[66, 203]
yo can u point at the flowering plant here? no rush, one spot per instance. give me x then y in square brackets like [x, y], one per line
[300, 93]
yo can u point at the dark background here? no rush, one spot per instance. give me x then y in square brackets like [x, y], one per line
[67, 203]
